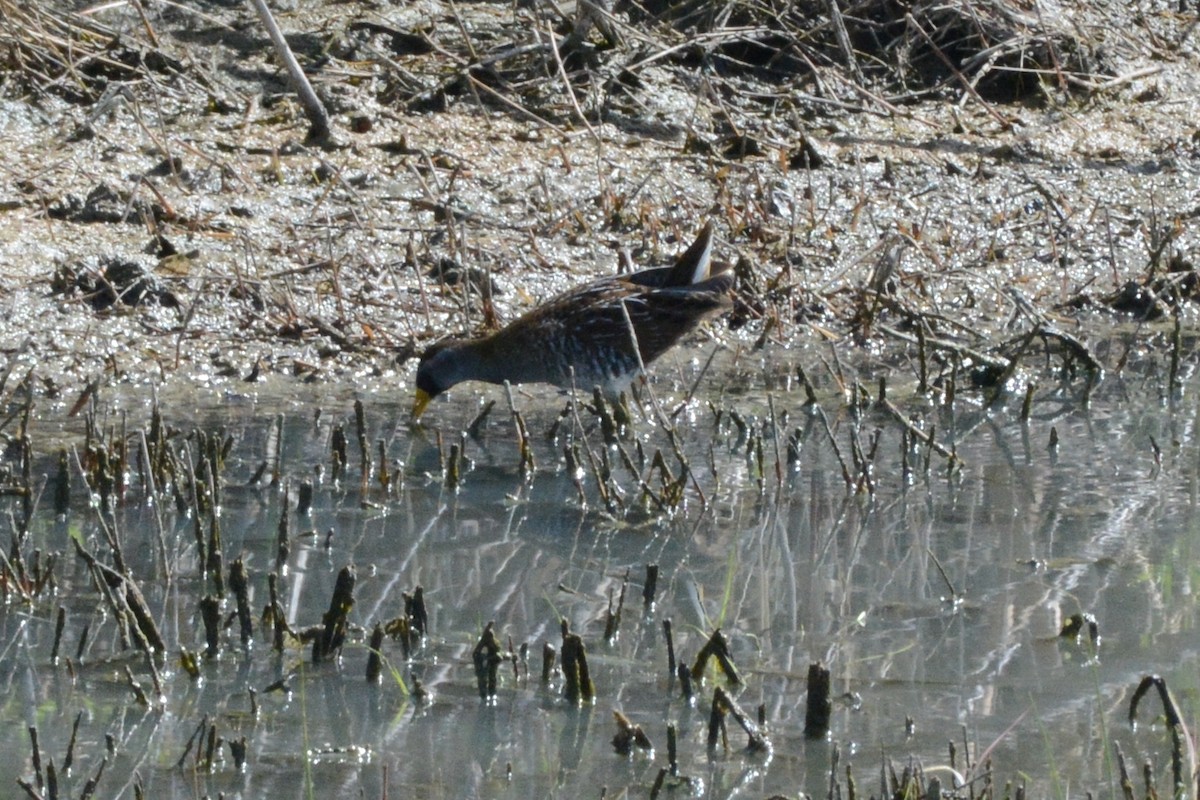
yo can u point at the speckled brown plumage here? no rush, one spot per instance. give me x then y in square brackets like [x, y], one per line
[586, 331]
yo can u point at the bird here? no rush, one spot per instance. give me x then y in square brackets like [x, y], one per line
[582, 337]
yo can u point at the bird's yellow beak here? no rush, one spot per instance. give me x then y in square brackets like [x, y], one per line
[420, 402]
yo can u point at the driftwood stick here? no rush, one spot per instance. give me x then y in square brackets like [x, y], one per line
[993, 362]
[314, 109]
[921, 435]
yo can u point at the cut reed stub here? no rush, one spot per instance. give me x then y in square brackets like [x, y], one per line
[650, 588]
[336, 620]
[577, 684]
[716, 647]
[487, 659]
[375, 654]
[819, 707]
[629, 735]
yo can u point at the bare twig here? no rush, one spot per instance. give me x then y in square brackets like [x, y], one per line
[314, 109]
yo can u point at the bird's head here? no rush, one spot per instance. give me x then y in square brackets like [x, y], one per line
[437, 371]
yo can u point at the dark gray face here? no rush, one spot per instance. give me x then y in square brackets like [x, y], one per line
[434, 372]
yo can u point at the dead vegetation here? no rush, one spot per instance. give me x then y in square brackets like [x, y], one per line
[814, 263]
[753, 98]
[53, 50]
[248, 253]
[747, 82]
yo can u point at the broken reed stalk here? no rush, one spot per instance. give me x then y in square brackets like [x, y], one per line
[318, 118]
[139, 694]
[62, 486]
[151, 482]
[414, 609]
[69, 758]
[575, 471]
[1027, 403]
[578, 680]
[524, 446]
[476, 427]
[401, 628]
[283, 545]
[685, 682]
[364, 452]
[607, 496]
[723, 703]
[819, 706]
[511, 655]
[210, 614]
[215, 563]
[487, 659]
[1179, 733]
[304, 499]
[671, 486]
[659, 780]
[670, 647]
[278, 620]
[1176, 349]
[608, 425]
[197, 502]
[375, 654]
[650, 587]
[716, 647]
[927, 438]
[672, 749]
[837, 450]
[716, 726]
[237, 750]
[338, 453]
[862, 462]
[51, 779]
[210, 749]
[612, 622]
[1123, 771]
[126, 602]
[189, 663]
[453, 476]
[527, 465]
[336, 620]
[810, 393]
[60, 622]
[89, 788]
[13, 576]
[240, 584]
[83, 640]
[385, 475]
[36, 757]
[628, 735]
[775, 426]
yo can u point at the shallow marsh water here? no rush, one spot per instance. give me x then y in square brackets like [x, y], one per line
[793, 571]
[307, 265]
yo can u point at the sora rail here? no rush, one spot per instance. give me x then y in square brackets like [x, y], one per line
[585, 332]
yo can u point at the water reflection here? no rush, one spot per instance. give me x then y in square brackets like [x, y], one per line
[936, 602]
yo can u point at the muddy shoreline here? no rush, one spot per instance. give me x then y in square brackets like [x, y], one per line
[948, 418]
[180, 182]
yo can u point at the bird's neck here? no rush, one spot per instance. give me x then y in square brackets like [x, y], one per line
[479, 360]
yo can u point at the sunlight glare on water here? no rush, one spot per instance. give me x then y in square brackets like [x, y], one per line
[936, 602]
